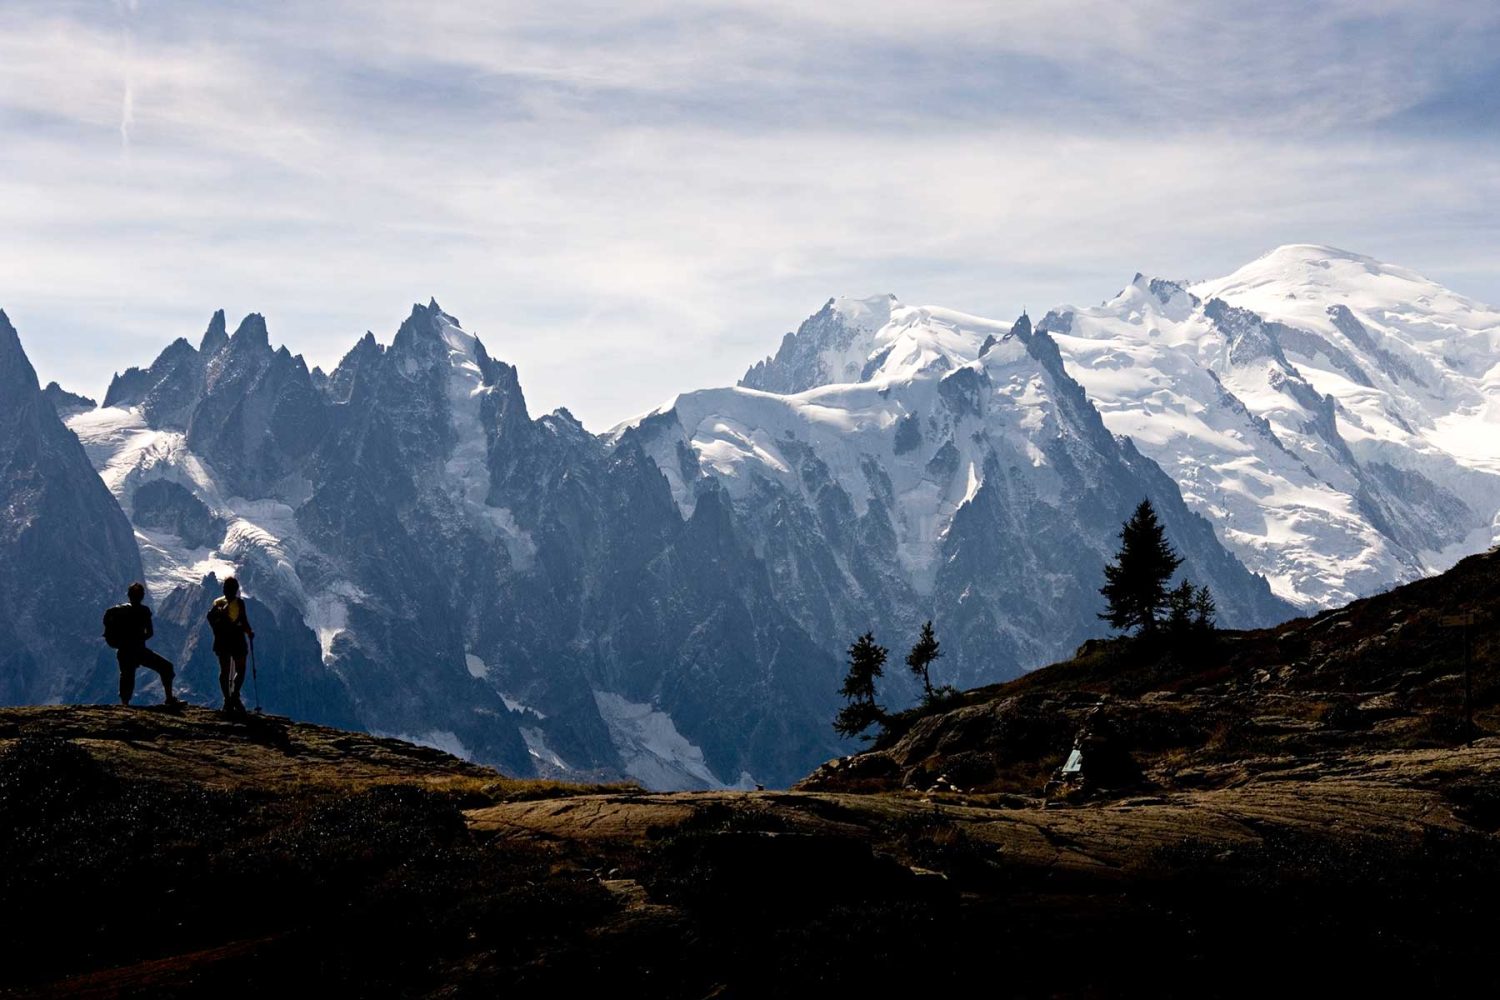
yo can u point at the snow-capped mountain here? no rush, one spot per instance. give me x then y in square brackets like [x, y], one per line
[1336, 418]
[425, 559]
[960, 475]
[671, 600]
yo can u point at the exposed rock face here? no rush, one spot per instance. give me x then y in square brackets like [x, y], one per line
[66, 403]
[830, 346]
[166, 505]
[68, 551]
[432, 561]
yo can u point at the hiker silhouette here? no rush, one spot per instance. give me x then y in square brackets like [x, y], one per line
[232, 633]
[127, 627]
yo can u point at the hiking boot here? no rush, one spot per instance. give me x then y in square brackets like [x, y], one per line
[173, 703]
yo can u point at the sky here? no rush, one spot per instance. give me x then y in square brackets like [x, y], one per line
[637, 198]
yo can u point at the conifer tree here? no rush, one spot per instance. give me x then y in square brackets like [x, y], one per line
[1135, 583]
[1190, 609]
[919, 660]
[866, 663]
[1181, 603]
[1205, 610]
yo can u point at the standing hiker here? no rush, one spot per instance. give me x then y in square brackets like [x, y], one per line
[232, 629]
[126, 629]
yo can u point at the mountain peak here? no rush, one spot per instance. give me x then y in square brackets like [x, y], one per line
[215, 337]
[16, 374]
[865, 314]
[832, 345]
[252, 332]
[1298, 268]
[1299, 282]
[431, 315]
[67, 403]
[1310, 252]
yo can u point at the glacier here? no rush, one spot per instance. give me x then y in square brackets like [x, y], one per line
[1338, 418]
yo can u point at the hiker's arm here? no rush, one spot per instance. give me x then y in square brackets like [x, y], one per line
[150, 629]
[245, 620]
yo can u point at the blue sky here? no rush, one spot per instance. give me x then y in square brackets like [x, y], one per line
[631, 199]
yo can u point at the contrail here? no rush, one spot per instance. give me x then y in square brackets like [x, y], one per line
[127, 8]
[127, 116]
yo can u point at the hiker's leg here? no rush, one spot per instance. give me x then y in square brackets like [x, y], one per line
[225, 672]
[163, 666]
[127, 675]
[239, 673]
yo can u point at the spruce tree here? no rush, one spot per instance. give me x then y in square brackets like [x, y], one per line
[1181, 603]
[919, 660]
[866, 663]
[1136, 582]
[1205, 610]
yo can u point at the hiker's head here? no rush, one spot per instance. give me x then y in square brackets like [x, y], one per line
[136, 592]
[231, 587]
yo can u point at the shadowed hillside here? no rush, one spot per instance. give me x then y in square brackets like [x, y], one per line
[1385, 673]
[1295, 805]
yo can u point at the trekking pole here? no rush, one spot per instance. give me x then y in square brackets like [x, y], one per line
[254, 676]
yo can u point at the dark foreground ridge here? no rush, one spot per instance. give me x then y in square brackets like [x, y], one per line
[1291, 809]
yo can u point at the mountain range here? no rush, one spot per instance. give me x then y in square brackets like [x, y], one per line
[669, 601]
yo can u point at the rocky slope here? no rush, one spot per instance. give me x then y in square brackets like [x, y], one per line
[66, 550]
[1383, 675]
[158, 854]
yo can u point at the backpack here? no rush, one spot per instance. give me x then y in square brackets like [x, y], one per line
[218, 620]
[118, 622]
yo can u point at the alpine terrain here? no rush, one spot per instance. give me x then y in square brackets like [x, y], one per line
[1128, 821]
[670, 601]
[1336, 418]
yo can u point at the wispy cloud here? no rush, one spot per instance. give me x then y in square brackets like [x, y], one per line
[127, 117]
[629, 199]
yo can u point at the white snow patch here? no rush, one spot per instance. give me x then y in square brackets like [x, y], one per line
[517, 705]
[260, 532]
[653, 751]
[467, 466]
[477, 668]
[328, 613]
[972, 489]
[437, 739]
[536, 745]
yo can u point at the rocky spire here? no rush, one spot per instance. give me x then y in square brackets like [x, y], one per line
[252, 333]
[17, 377]
[215, 336]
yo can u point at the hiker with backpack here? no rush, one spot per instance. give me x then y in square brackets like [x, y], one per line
[232, 636]
[127, 627]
